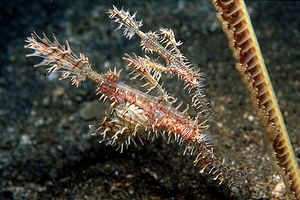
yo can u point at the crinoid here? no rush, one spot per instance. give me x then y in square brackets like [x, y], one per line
[135, 115]
[236, 23]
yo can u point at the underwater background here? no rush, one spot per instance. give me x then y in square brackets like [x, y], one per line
[46, 150]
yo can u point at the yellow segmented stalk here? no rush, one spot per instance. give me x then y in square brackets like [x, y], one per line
[236, 23]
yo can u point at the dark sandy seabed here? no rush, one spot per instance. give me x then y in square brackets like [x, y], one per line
[46, 151]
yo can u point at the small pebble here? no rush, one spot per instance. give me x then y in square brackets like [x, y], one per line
[251, 118]
[220, 124]
[53, 76]
[58, 91]
[90, 110]
[25, 139]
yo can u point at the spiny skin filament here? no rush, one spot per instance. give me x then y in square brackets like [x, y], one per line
[236, 23]
[144, 67]
[63, 57]
[165, 45]
[135, 116]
